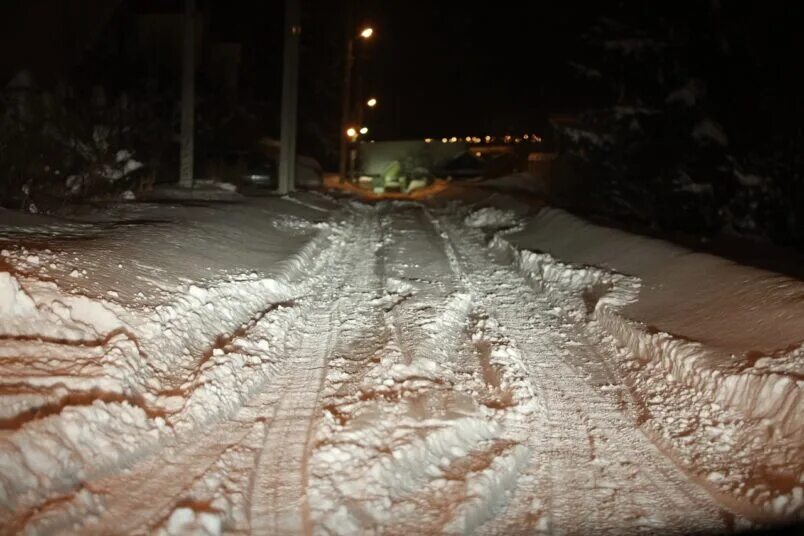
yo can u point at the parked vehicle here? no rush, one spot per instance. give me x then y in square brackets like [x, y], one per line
[256, 169]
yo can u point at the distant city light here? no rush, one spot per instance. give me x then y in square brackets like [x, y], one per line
[367, 32]
[533, 138]
[351, 132]
[364, 130]
[371, 103]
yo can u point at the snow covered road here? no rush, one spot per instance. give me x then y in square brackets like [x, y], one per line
[316, 366]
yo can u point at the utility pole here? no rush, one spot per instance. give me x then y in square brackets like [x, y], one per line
[364, 34]
[187, 97]
[347, 96]
[290, 87]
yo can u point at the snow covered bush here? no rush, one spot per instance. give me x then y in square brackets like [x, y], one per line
[664, 145]
[65, 144]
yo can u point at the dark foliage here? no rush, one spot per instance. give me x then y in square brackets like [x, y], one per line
[698, 134]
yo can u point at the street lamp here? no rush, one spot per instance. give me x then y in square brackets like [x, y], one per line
[371, 103]
[364, 130]
[365, 33]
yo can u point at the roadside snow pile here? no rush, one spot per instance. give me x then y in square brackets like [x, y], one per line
[295, 225]
[93, 376]
[518, 182]
[48, 314]
[491, 218]
[711, 352]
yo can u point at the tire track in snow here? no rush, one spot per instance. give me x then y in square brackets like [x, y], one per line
[587, 454]
[202, 454]
[130, 498]
[278, 495]
[415, 441]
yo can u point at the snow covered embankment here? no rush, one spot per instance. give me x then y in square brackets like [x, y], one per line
[734, 422]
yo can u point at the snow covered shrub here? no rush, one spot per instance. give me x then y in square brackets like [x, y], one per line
[664, 145]
[56, 146]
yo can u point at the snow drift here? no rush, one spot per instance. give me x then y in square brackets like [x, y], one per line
[694, 331]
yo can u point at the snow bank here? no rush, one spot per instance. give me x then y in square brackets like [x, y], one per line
[50, 314]
[768, 391]
[99, 372]
[491, 218]
[518, 182]
[731, 309]
[699, 334]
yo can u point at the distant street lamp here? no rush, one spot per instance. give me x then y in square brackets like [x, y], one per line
[364, 130]
[351, 132]
[361, 111]
[366, 33]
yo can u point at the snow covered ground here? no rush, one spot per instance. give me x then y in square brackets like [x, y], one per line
[313, 365]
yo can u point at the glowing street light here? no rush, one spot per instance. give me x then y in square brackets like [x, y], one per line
[371, 103]
[367, 32]
[364, 130]
[351, 132]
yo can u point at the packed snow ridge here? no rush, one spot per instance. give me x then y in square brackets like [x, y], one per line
[313, 365]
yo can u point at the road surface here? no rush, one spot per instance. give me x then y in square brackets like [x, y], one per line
[397, 372]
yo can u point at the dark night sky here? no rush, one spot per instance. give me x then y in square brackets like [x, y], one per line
[456, 68]
[448, 69]
[438, 68]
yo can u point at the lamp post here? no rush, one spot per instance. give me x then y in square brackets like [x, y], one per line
[366, 33]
